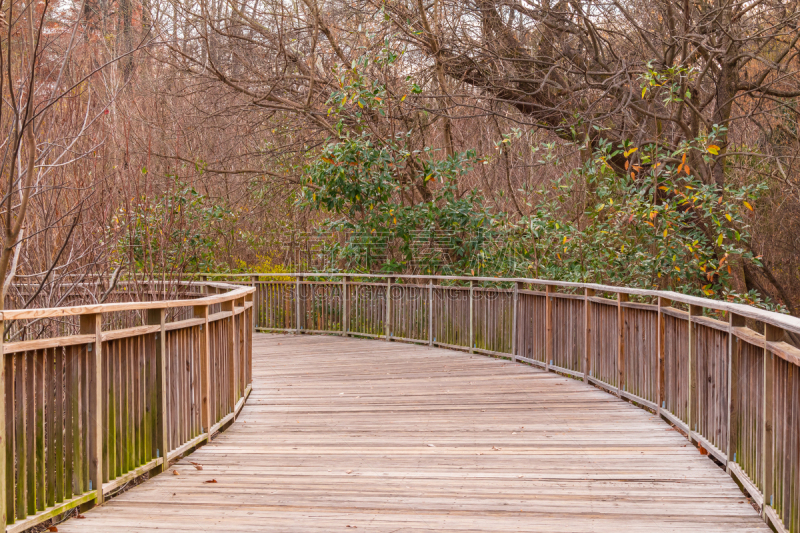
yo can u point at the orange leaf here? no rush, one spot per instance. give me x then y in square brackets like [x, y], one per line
[52, 528]
[210, 481]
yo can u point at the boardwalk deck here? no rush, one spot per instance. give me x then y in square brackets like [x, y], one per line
[388, 437]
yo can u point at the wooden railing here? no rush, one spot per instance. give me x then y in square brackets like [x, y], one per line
[87, 413]
[727, 375]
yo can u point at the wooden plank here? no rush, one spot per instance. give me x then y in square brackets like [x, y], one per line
[156, 317]
[784, 321]
[390, 436]
[91, 325]
[41, 344]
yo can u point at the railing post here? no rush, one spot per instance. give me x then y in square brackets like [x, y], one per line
[661, 373]
[345, 306]
[297, 303]
[515, 302]
[771, 334]
[4, 488]
[156, 317]
[91, 324]
[548, 322]
[233, 358]
[471, 316]
[430, 312]
[692, 415]
[254, 299]
[587, 333]
[734, 321]
[249, 337]
[201, 311]
[387, 325]
[621, 342]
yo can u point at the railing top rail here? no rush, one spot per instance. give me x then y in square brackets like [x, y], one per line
[776, 319]
[235, 292]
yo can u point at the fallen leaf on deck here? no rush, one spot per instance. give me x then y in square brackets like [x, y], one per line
[210, 481]
[79, 516]
[431, 445]
[175, 473]
[702, 450]
[349, 472]
[52, 528]
[197, 465]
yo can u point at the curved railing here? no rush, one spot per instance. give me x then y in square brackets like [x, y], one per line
[86, 413]
[727, 375]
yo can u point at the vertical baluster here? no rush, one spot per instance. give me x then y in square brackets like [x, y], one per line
[692, 391]
[621, 324]
[387, 319]
[587, 333]
[471, 316]
[30, 431]
[771, 334]
[548, 317]
[430, 312]
[49, 403]
[297, 302]
[156, 317]
[91, 324]
[59, 424]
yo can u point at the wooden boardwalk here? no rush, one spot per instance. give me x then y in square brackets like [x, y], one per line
[388, 437]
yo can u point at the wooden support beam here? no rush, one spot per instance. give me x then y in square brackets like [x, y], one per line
[621, 317]
[734, 348]
[297, 304]
[233, 351]
[6, 450]
[471, 316]
[201, 311]
[514, 314]
[156, 316]
[387, 325]
[430, 312]
[661, 372]
[345, 306]
[91, 324]
[587, 333]
[691, 423]
[548, 320]
[771, 334]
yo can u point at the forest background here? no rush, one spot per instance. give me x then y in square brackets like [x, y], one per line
[647, 143]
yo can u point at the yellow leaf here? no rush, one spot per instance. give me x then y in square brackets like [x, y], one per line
[678, 269]
[344, 100]
[747, 205]
[728, 217]
[665, 233]
[629, 152]
[404, 97]
[690, 187]
[713, 149]
[360, 104]
[644, 90]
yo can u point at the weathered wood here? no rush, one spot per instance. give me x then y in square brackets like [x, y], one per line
[91, 325]
[784, 321]
[771, 333]
[621, 341]
[156, 317]
[587, 334]
[390, 436]
[548, 359]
